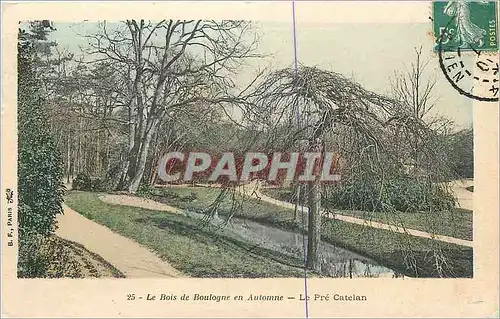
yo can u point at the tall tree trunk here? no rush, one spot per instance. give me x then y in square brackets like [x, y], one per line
[84, 154]
[155, 158]
[140, 164]
[297, 203]
[79, 151]
[314, 218]
[98, 156]
[68, 158]
[314, 226]
[107, 160]
[125, 171]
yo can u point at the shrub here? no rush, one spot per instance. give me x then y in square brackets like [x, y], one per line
[146, 191]
[399, 193]
[83, 182]
[96, 185]
[111, 179]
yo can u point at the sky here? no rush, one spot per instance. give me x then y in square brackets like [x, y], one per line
[368, 53]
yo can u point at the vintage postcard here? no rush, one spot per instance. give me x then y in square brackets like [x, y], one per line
[250, 159]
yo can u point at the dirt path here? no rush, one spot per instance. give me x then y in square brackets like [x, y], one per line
[253, 190]
[464, 197]
[130, 258]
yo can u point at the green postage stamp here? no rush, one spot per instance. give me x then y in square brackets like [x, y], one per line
[465, 24]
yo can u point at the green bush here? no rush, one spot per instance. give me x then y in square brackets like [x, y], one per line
[97, 185]
[83, 182]
[146, 191]
[399, 193]
[112, 177]
[461, 153]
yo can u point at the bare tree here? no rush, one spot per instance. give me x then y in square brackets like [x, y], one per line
[414, 88]
[165, 66]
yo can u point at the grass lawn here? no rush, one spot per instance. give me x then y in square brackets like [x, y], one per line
[457, 223]
[407, 254]
[178, 240]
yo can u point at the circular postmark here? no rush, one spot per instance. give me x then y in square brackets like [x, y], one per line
[472, 72]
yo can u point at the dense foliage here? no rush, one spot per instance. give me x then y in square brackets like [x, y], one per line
[461, 153]
[399, 193]
[84, 182]
[40, 172]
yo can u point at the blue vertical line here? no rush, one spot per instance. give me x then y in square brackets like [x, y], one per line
[304, 246]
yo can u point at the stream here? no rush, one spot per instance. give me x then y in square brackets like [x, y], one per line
[335, 261]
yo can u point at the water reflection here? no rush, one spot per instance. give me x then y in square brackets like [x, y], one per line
[336, 262]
